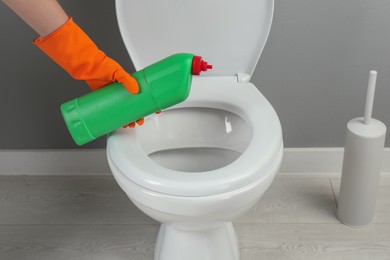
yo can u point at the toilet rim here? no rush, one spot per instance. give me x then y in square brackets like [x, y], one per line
[193, 206]
[258, 113]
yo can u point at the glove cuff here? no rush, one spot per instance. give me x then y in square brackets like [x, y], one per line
[70, 48]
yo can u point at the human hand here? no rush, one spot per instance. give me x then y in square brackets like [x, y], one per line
[139, 122]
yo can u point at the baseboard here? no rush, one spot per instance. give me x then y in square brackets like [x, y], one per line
[320, 161]
[93, 162]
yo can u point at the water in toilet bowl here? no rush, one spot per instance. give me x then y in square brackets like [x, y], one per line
[206, 138]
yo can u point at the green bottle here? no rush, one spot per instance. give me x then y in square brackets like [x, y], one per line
[161, 85]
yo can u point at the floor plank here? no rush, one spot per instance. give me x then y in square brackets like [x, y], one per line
[295, 200]
[78, 242]
[136, 242]
[66, 200]
[313, 241]
[89, 217]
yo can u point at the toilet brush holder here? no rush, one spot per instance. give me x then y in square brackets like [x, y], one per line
[365, 139]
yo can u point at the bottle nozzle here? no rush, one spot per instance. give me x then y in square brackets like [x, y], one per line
[199, 65]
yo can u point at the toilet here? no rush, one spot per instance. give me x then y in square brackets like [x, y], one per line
[199, 165]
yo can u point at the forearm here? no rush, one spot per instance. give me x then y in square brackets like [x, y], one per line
[44, 16]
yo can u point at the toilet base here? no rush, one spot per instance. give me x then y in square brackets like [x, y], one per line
[195, 241]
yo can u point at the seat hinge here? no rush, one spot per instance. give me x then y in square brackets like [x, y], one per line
[243, 77]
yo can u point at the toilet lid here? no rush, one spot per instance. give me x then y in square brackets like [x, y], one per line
[230, 35]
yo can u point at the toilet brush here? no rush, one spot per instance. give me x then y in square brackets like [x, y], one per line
[363, 152]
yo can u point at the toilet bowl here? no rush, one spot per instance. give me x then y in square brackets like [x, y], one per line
[206, 161]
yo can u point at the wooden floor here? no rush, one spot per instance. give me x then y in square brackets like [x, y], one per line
[89, 217]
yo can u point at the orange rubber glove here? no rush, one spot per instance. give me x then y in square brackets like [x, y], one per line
[76, 53]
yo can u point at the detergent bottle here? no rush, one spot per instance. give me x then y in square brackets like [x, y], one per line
[161, 85]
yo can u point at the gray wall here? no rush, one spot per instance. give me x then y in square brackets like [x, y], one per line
[314, 70]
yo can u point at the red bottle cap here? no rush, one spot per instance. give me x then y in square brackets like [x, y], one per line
[199, 65]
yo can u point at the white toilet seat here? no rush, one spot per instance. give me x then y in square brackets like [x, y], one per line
[126, 153]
